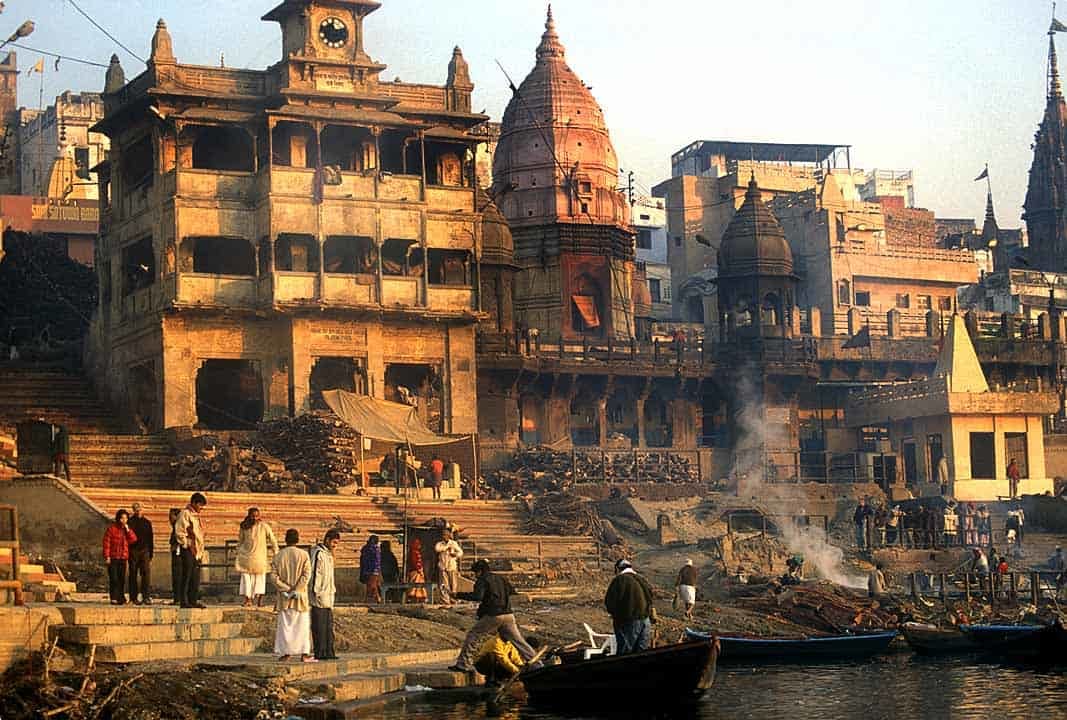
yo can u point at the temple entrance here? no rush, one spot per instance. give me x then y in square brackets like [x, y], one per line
[229, 394]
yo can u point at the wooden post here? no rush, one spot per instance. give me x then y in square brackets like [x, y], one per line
[1012, 591]
[1035, 588]
[914, 586]
[967, 586]
[944, 589]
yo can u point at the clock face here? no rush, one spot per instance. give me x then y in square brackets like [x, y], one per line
[333, 32]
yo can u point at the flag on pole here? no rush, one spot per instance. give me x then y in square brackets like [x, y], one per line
[38, 68]
[983, 176]
[1057, 26]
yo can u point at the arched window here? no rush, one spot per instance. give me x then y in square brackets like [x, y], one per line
[770, 313]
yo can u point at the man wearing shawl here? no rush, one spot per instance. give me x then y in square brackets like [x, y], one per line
[292, 571]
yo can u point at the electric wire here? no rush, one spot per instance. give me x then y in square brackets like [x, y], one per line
[68, 58]
[101, 28]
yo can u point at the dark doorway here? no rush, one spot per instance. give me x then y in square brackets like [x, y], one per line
[585, 421]
[1015, 447]
[983, 456]
[421, 387]
[911, 464]
[229, 394]
[336, 373]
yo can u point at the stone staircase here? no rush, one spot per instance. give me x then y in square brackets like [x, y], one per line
[130, 634]
[127, 461]
[100, 454]
[59, 396]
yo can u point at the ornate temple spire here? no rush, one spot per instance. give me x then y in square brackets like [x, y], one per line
[115, 78]
[550, 45]
[162, 46]
[1055, 90]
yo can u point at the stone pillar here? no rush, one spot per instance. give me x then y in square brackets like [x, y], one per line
[1059, 327]
[892, 323]
[1044, 327]
[933, 324]
[816, 321]
[640, 410]
[1009, 325]
[855, 321]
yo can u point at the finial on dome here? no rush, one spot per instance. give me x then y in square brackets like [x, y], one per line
[550, 45]
[162, 47]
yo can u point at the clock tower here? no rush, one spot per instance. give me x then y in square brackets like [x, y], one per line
[322, 43]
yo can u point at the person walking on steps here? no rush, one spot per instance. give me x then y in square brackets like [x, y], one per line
[493, 594]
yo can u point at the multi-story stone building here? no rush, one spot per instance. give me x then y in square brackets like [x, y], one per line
[267, 234]
[649, 217]
[57, 149]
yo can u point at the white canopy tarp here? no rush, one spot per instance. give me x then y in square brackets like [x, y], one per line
[382, 420]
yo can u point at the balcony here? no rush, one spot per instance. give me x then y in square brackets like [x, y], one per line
[295, 287]
[400, 188]
[350, 289]
[354, 186]
[216, 185]
[400, 291]
[450, 199]
[299, 182]
[450, 298]
[230, 290]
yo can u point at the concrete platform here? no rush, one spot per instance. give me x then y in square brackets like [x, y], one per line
[266, 665]
[176, 650]
[94, 614]
[355, 687]
[122, 634]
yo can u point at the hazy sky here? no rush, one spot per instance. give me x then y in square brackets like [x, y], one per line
[939, 86]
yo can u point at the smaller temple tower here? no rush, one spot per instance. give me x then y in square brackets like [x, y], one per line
[757, 287]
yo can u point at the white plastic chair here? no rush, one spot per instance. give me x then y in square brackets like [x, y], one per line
[599, 643]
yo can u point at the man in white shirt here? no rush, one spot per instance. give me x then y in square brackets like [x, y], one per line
[321, 591]
[448, 554]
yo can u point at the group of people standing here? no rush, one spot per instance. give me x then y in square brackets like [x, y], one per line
[379, 566]
[925, 526]
[129, 548]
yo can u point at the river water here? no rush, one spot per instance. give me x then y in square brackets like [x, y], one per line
[900, 687]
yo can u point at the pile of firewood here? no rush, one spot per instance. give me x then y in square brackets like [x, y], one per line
[822, 606]
[567, 514]
[312, 454]
[540, 469]
[318, 446]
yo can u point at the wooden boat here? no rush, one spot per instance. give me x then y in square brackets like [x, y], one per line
[931, 640]
[784, 650]
[672, 673]
[1037, 643]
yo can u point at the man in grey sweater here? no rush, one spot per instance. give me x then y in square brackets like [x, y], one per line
[321, 592]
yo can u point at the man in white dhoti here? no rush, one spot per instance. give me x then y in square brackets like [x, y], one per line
[292, 570]
[255, 539]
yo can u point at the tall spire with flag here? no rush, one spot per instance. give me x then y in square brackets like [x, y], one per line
[1046, 192]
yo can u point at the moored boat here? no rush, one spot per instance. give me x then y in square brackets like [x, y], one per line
[672, 673]
[931, 639]
[824, 649]
[1039, 643]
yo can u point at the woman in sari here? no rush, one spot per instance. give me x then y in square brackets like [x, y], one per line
[416, 576]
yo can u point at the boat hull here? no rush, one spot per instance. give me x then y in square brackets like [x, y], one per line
[777, 650]
[673, 673]
[932, 640]
[1037, 643]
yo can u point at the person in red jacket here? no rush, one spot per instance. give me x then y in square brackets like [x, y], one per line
[117, 541]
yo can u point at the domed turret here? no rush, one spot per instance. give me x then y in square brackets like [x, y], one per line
[754, 242]
[498, 247]
[555, 153]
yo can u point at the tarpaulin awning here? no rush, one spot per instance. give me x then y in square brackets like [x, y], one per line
[381, 420]
[586, 305]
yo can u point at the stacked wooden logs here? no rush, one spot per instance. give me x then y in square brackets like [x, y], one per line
[256, 471]
[318, 446]
[822, 606]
